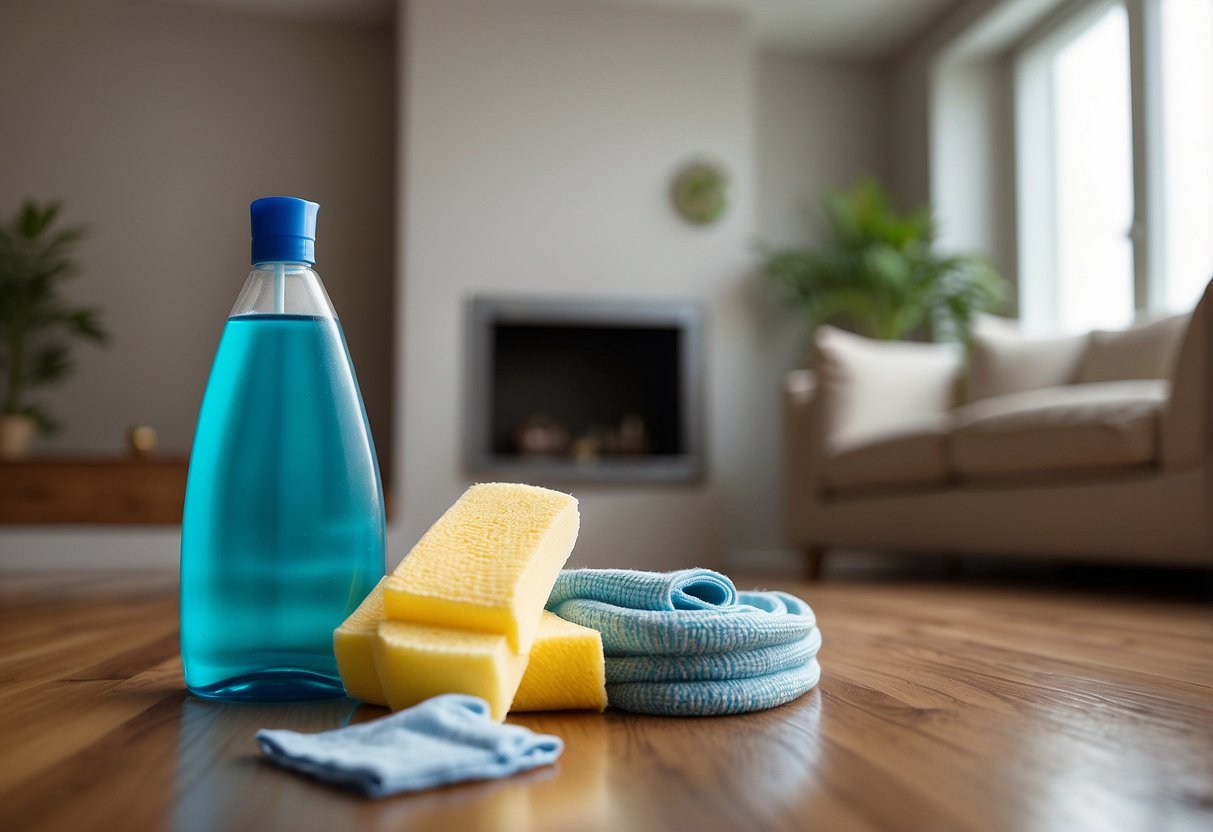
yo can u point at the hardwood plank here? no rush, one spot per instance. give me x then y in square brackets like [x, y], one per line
[941, 707]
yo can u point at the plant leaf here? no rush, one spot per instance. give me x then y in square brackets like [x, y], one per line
[35, 219]
[87, 324]
[50, 364]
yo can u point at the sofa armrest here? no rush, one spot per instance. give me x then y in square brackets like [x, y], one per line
[800, 485]
[1187, 420]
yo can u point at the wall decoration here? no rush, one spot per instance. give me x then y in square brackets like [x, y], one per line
[700, 192]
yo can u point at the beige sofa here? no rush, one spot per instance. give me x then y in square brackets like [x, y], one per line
[1099, 447]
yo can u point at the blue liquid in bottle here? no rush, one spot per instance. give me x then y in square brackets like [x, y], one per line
[283, 531]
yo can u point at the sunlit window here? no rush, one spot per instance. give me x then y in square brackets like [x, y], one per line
[1099, 242]
[1187, 149]
[1094, 176]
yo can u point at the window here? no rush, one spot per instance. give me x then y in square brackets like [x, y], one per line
[1098, 244]
[1092, 140]
[1186, 81]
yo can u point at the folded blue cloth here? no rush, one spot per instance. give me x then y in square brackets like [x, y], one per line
[687, 643]
[631, 632]
[447, 739]
[686, 589]
[739, 664]
[715, 698]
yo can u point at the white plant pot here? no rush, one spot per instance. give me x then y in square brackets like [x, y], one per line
[16, 432]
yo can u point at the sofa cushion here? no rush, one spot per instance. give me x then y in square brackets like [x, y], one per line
[868, 388]
[1148, 350]
[1001, 361]
[909, 455]
[1071, 427]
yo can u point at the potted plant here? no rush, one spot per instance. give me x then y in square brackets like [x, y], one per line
[880, 275]
[37, 323]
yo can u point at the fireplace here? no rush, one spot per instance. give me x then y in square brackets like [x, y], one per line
[564, 390]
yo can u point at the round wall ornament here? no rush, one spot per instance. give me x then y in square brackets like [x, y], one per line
[700, 192]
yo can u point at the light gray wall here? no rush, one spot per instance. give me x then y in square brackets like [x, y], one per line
[539, 143]
[158, 123]
[973, 160]
[819, 125]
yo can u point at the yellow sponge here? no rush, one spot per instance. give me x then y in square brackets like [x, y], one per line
[488, 564]
[566, 670]
[415, 662]
[354, 646]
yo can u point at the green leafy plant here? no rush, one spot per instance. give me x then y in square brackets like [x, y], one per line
[37, 324]
[880, 275]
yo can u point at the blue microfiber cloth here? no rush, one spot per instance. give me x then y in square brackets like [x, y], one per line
[447, 739]
[629, 632]
[715, 698]
[687, 643]
[741, 664]
[686, 589]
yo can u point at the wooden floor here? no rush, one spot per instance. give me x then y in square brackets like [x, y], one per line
[941, 706]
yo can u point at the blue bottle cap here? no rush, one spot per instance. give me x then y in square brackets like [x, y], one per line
[284, 228]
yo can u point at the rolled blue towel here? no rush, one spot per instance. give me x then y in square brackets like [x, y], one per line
[630, 632]
[741, 664]
[687, 643]
[779, 603]
[446, 739]
[686, 589]
[715, 698]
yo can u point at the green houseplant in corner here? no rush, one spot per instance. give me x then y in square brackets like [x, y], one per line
[879, 273]
[37, 323]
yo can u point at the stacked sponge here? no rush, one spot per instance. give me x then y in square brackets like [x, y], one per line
[464, 610]
[688, 644]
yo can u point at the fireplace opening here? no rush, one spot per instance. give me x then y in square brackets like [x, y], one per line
[585, 390]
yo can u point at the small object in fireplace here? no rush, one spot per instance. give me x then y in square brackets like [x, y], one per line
[539, 435]
[630, 438]
[588, 447]
[633, 435]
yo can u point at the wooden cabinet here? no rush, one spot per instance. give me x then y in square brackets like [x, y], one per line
[93, 490]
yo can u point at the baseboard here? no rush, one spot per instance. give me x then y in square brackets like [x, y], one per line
[90, 547]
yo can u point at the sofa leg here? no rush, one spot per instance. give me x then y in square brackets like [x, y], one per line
[814, 558]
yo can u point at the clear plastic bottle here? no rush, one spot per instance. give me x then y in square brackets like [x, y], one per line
[283, 531]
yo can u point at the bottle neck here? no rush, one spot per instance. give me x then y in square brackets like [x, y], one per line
[288, 264]
[283, 287]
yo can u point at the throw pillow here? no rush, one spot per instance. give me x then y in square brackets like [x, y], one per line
[1001, 361]
[1147, 350]
[869, 387]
